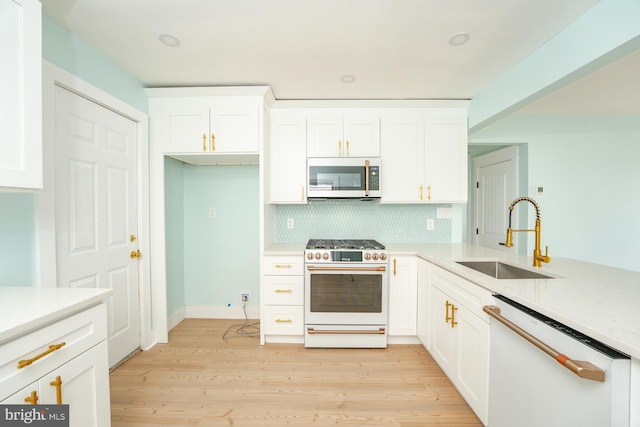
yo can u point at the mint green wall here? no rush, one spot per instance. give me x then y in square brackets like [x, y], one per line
[17, 239]
[174, 233]
[589, 169]
[69, 52]
[221, 255]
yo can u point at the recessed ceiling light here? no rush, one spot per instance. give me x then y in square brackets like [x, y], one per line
[459, 39]
[348, 78]
[169, 40]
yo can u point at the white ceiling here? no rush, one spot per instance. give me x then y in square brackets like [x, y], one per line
[395, 49]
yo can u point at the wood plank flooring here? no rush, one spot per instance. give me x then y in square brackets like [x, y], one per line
[199, 379]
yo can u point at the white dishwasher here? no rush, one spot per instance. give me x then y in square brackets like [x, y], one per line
[543, 373]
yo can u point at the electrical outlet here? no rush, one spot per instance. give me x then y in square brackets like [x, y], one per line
[244, 296]
[212, 213]
[290, 223]
[430, 224]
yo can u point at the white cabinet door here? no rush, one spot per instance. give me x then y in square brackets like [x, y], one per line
[21, 99]
[324, 136]
[361, 135]
[343, 134]
[402, 296]
[287, 155]
[473, 360]
[443, 339]
[402, 156]
[182, 128]
[234, 127]
[424, 285]
[446, 156]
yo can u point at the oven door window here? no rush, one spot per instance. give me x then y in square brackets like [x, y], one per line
[336, 178]
[346, 293]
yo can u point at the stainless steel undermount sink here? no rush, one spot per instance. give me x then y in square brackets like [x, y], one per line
[500, 270]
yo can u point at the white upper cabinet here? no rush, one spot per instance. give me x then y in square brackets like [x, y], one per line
[21, 89]
[343, 134]
[287, 158]
[424, 156]
[214, 125]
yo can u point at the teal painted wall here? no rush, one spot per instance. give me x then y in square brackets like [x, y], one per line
[69, 52]
[221, 255]
[588, 167]
[17, 239]
[174, 233]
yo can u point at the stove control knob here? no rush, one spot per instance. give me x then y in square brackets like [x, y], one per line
[383, 256]
[367, 256]
[325, 256]
[309, 256]
[318, 255]
[375, 256]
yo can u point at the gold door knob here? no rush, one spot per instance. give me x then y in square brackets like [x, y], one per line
[135, 254]
[133, 238]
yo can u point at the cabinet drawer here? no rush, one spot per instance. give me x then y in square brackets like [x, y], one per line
[78, 332]
[283, 266]
[283, 320]
[466, 293]
[283, 290]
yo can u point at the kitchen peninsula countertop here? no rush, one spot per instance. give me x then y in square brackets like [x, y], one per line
[597, 300]
[28, 308]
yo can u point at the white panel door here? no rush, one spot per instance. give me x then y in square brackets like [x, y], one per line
[496, 186]
[96, 211]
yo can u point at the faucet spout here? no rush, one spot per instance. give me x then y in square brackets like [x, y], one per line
[538, 258]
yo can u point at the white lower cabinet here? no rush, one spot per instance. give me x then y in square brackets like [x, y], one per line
[282, 299]
[459, 340]
[65, 362]
[402, 295]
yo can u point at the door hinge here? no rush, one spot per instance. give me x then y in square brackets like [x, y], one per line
[477, 184]
[477, 231]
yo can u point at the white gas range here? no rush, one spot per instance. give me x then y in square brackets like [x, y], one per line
[346, 293]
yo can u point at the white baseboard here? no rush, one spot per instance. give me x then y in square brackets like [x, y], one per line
[176, 318]
[403, 339]
[217, 312]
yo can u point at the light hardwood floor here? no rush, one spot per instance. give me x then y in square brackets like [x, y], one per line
[199, 379]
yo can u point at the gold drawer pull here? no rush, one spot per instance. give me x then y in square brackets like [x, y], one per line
[58, 385]
[287, 291]
[284, 321]
[33, 399]
[52, 348]
[283, 266]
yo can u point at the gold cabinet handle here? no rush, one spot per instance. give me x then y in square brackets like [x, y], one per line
[213, 142]
[204, 142]
[347, 143]
[283, 266]
[453, 315]
[339, 148]
[283, 291]
[446, 314]
[135, 254]
[302, 193]
[51, 349]
[395, 266]
[428, 192]
[284, 321]
[58, 385]
[33, 398]
[421, 192]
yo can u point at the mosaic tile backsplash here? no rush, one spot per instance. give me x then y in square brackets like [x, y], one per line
[355, 219]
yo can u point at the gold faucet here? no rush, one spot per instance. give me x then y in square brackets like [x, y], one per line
[537, 253]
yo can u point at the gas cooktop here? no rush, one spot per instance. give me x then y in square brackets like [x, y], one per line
[340, 244]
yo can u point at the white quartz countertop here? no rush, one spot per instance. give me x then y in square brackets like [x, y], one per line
[24, 309]
[599, 301]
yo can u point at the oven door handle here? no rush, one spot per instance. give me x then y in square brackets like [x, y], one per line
[583, 369]
[312, 331]
[322, 268]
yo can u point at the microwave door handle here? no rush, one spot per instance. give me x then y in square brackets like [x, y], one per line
[366, 178]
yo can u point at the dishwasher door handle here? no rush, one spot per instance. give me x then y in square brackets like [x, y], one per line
[583, 369]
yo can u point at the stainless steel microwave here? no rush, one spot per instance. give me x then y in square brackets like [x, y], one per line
[343, 178]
